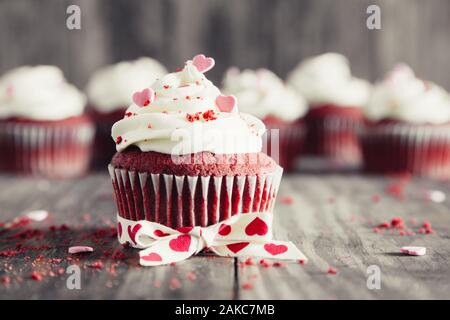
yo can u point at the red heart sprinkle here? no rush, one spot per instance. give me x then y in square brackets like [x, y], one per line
[224, 229]
[203, 63]
[236, 247]
[180, 243]
[144, 97]
[226, 103]
[152, 257]
[274, 249]
[257, 226]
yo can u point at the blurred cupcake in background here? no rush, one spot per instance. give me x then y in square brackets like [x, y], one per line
[335, 99]
[42, 127]
[109, 92]
[263, 94]
[408, 126]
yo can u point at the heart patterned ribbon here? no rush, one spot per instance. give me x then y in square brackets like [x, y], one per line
[247, 234]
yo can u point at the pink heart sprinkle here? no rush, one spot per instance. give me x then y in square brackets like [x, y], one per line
[203, 63]
[414, 251]
[80, 249]
[144, 97]
[226, 103]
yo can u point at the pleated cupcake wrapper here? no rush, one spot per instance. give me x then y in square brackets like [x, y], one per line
[286, 144]
[334, 137]
[177, 201]
[57, 151]
[421, 150]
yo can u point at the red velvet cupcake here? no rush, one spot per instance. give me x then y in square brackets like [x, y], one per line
[264, 95]
[42, 129]
[335, 99]
[187, 157]
[408, 127]
[109, 92]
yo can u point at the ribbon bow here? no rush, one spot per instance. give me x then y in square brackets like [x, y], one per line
[247, 234]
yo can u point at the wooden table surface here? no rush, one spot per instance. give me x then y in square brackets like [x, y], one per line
[331, 217]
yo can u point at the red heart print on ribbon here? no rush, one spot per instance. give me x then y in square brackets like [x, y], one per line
[275, 249]
[160, 233]
[180, 243]
[224, 230]
[226, 103]
[256, 227]
[202, 63]
[132, 232]
[119, 229]
[236, 247]
[185, 229]
[152, 257]
[144, 98]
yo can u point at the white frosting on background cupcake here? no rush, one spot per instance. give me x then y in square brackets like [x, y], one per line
[183, 118]
[263, 94]
[402, 96]
[39, 93]
[327, 79]
[111, 87]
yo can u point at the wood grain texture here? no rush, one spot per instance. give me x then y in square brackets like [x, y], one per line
[243, 33]
[331, 220]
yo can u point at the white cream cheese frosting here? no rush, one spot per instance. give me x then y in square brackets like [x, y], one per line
[262, 93]
[184, 117]
[402, 96]
[327, 79]
[111, 87]
[39, 93]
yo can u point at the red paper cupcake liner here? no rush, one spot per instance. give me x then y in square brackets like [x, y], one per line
[51, 149]
[418, 149]
[333, 133]
[290, 138]
[178, 201]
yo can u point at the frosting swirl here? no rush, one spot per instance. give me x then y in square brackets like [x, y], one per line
[111, 87]
[185, 117]
[327, 79]
[263, 94]
[39, 93]
[403, 96]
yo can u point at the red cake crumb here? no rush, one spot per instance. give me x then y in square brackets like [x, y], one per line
[332, 271]
[287, 200]
[384, 225]
[376, 230]
[36, 276]
[278, 264]
[119, 139]
[96, 265]
[426, 224]
[209, 115]
[247, 286]
[191, 276]
[174, 283]
[264, 263]
[302, 262]
[249, 262]
[376, 198]
[397, 222]
[5, 280]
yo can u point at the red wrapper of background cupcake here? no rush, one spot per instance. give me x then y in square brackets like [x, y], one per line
[42, 127]
[407, 127]
[263, 94]
[109, 92]
[188, 157]
[335, 100]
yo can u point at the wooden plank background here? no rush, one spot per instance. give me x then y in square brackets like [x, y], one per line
[245, 33]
